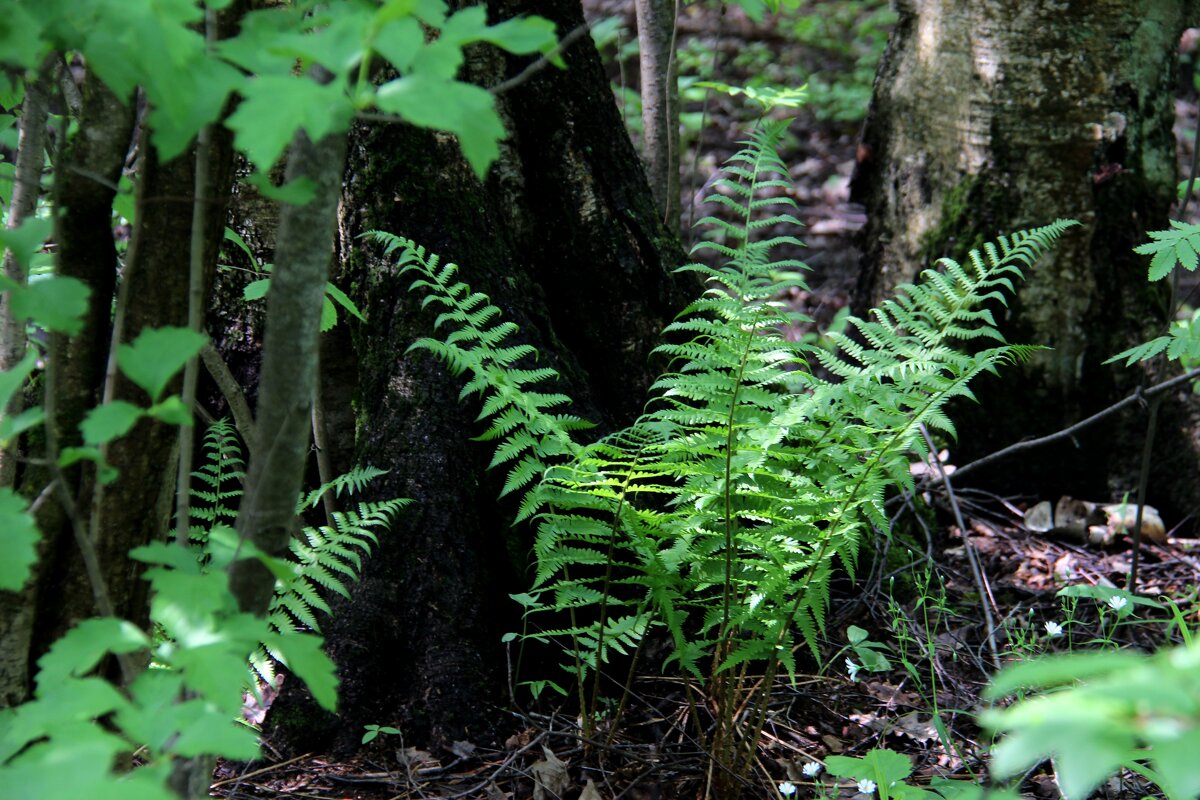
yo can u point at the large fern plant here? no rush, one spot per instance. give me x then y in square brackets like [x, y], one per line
[323, 558]
[723, 513]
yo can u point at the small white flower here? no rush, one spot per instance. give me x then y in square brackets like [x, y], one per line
[812, 769]
[1117, 602]
[866, 786]
[787, 788]
[1053, 629]
[852, 669]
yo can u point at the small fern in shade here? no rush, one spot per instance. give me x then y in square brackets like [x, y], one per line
[322, 558]
[724, 511]
[221, 475]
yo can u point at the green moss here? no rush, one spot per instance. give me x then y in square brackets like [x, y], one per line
[967, 220]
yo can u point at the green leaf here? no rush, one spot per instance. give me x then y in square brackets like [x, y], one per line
[233, 236]
[18, 542]
[463, 109]
[72, 455]
[399, 41]
[522, 35]
[59, 709]
[885, 767]
[156, 355]
[27, 239]
[21, 36]
[12, 89]
[109, 421]
[11, 427]
[345, 302]
[1104, 594]
[184, 100]
[1175, 759]
[274, 107]
[1175, 246]
[171, 411]
[167, 554]
[56, 304]
[125, 200]
[1056, 671]
[256, 290]
[82, 647]
[12, 380]
[299, 192]
[214, 733]
[328, 314]
[302, 654]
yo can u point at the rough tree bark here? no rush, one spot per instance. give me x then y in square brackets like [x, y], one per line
[565, 238]
[994, 116]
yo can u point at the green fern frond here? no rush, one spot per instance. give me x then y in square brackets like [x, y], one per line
[519, 416]
[352, 482]
[222, 471]
[322, 559]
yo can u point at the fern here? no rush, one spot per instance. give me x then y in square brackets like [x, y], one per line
[221, 475]
[724, 512]
[322, 559]
[530, 436]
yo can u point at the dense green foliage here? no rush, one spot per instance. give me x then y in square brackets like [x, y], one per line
[720, 514]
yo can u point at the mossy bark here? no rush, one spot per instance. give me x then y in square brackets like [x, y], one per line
[564, 237]
[995, 116]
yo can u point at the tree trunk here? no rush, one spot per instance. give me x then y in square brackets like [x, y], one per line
[994, 116]
[88, 170]
[283, 418]
[660, 102]
[565, 238]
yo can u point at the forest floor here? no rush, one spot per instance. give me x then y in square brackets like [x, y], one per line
[942, 625]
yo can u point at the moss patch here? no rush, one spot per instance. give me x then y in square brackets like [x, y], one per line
[970, 212]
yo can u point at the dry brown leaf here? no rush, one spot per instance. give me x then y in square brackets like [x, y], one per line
[462, 749]
[412, 757]
[550, 777]
[590, 792]
[495, 793]
[913, 726]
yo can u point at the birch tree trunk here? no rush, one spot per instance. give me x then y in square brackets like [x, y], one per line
[660, 103]
[993, 116]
